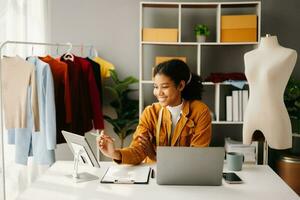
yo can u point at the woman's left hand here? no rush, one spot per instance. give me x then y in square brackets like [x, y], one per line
[148, 146]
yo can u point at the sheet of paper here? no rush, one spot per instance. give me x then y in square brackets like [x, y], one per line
[126, 174]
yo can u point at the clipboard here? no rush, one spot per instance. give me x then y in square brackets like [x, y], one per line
[127, 174]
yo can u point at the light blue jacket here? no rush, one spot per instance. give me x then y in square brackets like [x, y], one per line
[41, 144]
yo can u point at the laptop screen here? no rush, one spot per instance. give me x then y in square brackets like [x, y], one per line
[190, 165]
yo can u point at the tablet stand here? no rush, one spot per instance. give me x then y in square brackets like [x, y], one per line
[80, 177]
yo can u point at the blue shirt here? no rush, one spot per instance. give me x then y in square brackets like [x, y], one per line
[40, 144]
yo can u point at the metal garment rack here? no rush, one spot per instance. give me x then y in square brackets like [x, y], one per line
[2, 45]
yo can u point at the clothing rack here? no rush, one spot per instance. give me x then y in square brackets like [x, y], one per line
[2, 45]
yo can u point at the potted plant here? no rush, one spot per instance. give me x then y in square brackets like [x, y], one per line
[125, 107]
[292, 103]
[201, 31]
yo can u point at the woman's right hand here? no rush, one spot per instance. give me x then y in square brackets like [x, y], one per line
[106, 145]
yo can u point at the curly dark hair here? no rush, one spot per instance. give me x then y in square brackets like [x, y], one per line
[178, 70]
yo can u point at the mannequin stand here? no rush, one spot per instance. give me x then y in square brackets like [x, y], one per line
[265, 153]
[261, 147]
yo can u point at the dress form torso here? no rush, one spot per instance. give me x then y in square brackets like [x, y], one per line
[268, 69]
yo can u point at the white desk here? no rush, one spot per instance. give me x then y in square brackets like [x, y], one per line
[260, 182]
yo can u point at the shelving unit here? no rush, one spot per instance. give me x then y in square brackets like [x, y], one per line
[201, 57]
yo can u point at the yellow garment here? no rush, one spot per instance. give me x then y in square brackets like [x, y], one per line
[105, 66]
[193, 129]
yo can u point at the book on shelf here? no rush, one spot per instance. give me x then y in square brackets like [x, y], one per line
[239, 100]
[245, 97]
[249, 151]
[235, 105]
[229, 108]
[240, 105]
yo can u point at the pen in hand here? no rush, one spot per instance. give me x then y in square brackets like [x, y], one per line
[152, 173]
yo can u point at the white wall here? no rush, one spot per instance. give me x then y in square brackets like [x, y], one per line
[113, 27]
[110, 25]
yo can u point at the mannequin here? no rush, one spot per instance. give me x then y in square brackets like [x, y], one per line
[268, 69]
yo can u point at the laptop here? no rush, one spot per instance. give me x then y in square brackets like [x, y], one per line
[190, 165]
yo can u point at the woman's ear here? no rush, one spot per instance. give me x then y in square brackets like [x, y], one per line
[181, 85]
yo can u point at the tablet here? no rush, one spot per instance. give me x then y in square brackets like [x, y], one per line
[79, 143]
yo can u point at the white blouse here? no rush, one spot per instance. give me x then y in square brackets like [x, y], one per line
[175, 115]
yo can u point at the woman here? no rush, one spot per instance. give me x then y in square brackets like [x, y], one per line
[178, 119]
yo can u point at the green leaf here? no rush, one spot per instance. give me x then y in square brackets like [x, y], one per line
[131, 90]
[126, 108]
[133, 122]
[123, 87]
[113, 91]
[117, 131]
[292, 98]
[107, 117]
[130, 80]
[129, 132]
[116, 104]
[114, 76]
[113, 122]
[201, 29]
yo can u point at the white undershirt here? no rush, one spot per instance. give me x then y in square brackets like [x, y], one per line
[175, 116]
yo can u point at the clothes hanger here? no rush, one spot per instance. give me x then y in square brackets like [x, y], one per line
[69, 55]
[57, 50]
[90, 52]
[95, 52]
[32, 50]
[81, 50]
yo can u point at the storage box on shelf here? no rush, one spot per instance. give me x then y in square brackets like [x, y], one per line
[160, 34]
[160, 59]
[153, 51]
[159, 22]
[238, 28]
[203, 58]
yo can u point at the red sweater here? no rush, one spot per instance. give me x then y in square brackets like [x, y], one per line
[89, 78]
[85, 101]
[61, 88]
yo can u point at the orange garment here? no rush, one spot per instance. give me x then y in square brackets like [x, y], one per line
[193, 129]
[61, 88]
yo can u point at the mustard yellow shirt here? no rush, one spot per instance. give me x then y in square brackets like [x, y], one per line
[193, 129]
[105, 67]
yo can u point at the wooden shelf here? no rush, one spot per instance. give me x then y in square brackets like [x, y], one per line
[204, 83]
[226, 122]
[199, 43]
[184, 15]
